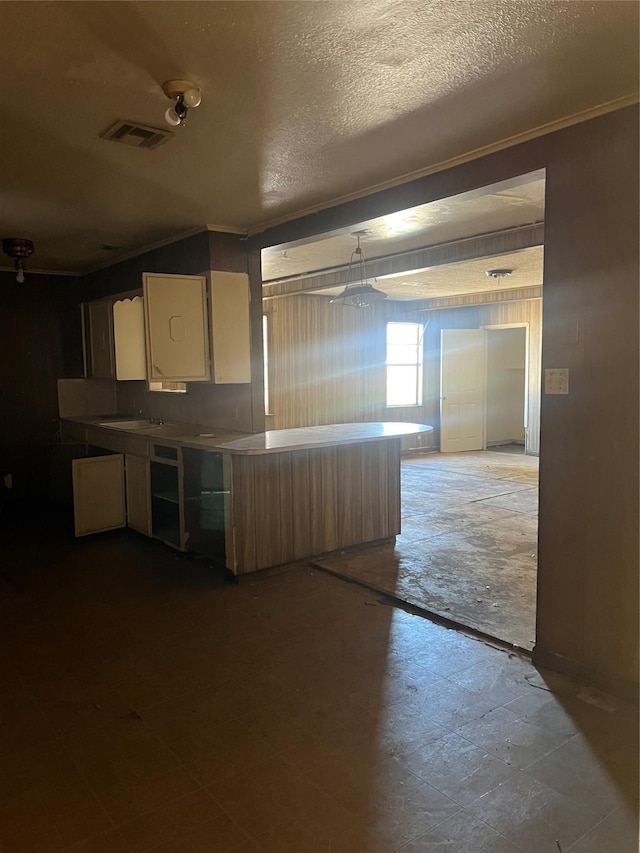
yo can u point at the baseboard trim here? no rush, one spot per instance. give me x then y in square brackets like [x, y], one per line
[623, 687]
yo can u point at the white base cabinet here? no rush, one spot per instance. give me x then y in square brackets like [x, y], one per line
[98, 493]
[109, 493]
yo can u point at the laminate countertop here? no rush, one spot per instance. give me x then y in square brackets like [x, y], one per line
[307, 438]
[272, 441]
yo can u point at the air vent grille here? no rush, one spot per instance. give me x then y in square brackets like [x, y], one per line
[136, 135]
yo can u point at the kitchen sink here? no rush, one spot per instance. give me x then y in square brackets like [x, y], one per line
[132, 424]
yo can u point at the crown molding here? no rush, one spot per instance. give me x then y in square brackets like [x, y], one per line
[475, 154]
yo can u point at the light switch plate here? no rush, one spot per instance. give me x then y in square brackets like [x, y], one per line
[556, 380]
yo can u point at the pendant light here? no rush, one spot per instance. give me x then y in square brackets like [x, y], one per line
[360, 294]
[19, 249]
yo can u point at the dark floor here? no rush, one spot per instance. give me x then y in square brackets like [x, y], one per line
[148, 706]
[469, 543]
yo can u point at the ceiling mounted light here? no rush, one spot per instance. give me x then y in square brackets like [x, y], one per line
[360, 294]
[19, 249]
[499, 274]
[185, 95]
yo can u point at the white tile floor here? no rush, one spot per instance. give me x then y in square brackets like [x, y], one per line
[147, 706]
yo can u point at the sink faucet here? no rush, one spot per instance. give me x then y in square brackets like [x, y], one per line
[156, 420]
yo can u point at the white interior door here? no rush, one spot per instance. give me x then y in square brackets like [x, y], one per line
[462, 380]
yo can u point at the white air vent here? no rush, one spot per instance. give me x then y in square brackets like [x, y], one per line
[137, 135]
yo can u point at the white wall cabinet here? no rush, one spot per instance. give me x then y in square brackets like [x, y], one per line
[128, 339]
[176, 324]
[166, 335]
[98, 494]
[230, 327]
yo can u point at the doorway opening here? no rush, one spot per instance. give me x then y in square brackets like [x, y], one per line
[507, 398]
[466, 491]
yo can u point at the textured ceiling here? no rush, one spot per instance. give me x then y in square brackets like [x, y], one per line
[303, 103]
[495, 208]
[466, 277]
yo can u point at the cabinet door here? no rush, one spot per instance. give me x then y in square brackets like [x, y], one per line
[138, 494]
[176, 328]
[128, 338]
[98, 493]
[101, 339]
[230, 329]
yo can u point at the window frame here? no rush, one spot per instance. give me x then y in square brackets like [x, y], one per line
[417, 364]
[266, 384]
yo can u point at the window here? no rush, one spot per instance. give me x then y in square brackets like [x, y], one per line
[265, 354]
[173, 387]
[404, 364]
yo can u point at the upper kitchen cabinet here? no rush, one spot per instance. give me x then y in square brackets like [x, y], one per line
[99, 331]
[128, 336]
[230, 327]
[177, 338]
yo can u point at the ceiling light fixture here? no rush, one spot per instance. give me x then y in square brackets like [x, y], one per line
[361, 294]
[185, 95]
[499, 274]
[19, 249]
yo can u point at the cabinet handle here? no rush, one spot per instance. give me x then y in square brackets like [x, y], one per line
[177, 328]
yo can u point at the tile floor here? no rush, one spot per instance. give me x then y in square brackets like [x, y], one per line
[469, 543]
[148, 706]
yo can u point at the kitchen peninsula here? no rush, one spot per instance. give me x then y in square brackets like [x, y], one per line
[286, 494]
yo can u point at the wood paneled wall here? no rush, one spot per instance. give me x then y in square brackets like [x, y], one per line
[327, 361]
[41, 341]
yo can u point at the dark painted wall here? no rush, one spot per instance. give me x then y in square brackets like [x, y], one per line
[41, 342]
[184, 257]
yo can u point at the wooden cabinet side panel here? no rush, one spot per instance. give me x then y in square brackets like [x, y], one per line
[268, 510]
[316, 517]
[98, 494]
[350, 527]
[286, 506]
[301, 504]
[393, 486]
[372, 498]
[230, 551]
[329, 490]
[138, 494]
[244, 511]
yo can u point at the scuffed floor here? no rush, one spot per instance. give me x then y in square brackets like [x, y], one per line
[468, 548]
[148, 707]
